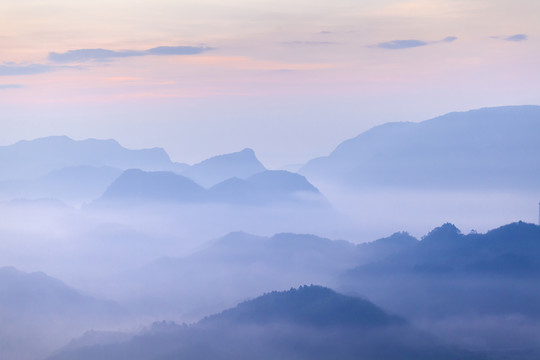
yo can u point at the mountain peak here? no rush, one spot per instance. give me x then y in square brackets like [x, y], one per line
[30, 159]
[244, 154]
[444, 232]
[136, 185]
[489, 148]
[282, 180]
[216, 169]
[247, 151]
[308, 305]
[514, 230]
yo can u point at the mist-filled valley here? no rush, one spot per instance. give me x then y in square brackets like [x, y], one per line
[409, 241]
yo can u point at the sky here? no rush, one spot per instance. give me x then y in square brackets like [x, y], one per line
[289, 79]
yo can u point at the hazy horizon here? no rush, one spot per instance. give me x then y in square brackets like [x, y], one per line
[388, 210]
[205, 78]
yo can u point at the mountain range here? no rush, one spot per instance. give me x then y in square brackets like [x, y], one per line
[82, 171]
[310, 322]
[490, 148]
[477, 290]
[138, 229]
[269, 186]
[510, 250]
[450, 281]
[219, 168]
[241, 265]
[39, 313]
[26, 160]
[74, 184]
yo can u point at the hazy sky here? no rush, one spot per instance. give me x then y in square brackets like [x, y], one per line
[290, 79]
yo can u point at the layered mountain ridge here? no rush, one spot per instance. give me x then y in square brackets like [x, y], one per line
[487, 148]
[269, 186]
[310, 322]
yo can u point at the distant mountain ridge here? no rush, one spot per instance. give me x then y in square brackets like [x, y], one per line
[77, 184]
[307, 305]
[31, 159]
[136, 185]
[241, 265]
[510, 250]
[449, 273]
[263, 187]
[38, 313]
[269, 186]
[219, 168]
[486, 148]
[36, 293]
[79, 171]
[311, 322]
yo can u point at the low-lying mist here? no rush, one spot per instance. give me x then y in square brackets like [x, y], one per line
[377, 212]
[173, 262]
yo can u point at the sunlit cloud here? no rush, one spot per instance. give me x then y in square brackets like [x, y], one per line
[449, 39]
[517, 37]
[511, 38]
[401, 44]
[410, 43]
[85, 55]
